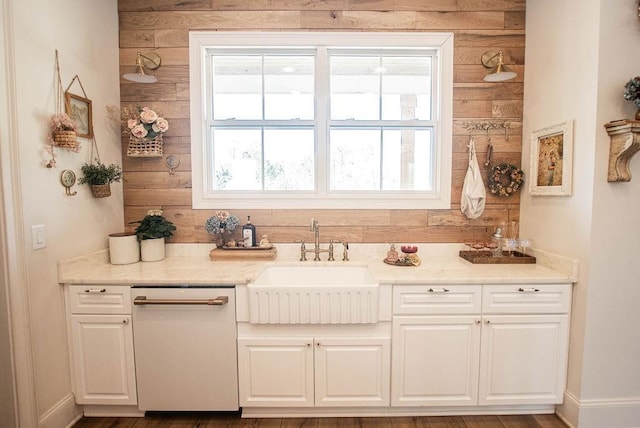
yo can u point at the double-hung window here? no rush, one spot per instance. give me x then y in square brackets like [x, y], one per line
[321, 120]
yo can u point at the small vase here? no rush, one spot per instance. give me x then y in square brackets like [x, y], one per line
[152, 250]
[123, 248]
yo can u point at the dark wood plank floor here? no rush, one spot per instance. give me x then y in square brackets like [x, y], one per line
[205, 420]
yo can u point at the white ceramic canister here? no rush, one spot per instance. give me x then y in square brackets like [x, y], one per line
[123, 248]
[152, 250]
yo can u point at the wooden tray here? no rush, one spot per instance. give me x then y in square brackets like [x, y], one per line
[243, 254]
[248, 248]
[484, 257]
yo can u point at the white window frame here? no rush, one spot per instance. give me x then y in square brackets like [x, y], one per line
[205, 198]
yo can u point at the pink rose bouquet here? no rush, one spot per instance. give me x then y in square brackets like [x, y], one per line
[142, 122]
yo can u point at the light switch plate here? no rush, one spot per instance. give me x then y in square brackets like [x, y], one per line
[38, 236]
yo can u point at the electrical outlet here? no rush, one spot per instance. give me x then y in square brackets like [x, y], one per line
[38, 236]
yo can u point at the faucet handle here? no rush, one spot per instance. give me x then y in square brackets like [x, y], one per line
[303, 253]
[345, 251]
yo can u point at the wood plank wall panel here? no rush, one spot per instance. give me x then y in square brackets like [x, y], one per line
[163, 26]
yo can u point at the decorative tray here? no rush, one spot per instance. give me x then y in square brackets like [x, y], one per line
[407, 260]
[247, 248]
[485, 257]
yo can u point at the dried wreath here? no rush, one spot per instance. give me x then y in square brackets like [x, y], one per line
[505, 179]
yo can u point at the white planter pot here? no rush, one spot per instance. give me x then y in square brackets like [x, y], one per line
[123, 248]
[152, 250]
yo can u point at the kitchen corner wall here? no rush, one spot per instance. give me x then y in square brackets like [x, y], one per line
[478, 25]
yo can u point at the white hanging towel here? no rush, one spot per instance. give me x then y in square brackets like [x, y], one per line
[473, 191]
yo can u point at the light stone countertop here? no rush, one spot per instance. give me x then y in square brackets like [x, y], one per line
[190, 264]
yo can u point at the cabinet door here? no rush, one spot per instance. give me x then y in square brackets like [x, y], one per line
[524, 359]
[435, 361]
[103, 359]
[275, 372]
[352, 371]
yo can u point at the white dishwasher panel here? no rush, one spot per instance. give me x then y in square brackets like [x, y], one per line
[185, 348]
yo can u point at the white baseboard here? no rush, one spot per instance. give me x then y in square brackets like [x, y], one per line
[597, 413]
[64, 413]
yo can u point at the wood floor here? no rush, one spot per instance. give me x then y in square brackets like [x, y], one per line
[202, 420]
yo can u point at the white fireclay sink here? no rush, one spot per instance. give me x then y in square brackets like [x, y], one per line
[313, 295]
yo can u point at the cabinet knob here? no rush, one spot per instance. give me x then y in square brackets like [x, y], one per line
[318, 344]
[478, 321]
[487, 321]
[125, 321]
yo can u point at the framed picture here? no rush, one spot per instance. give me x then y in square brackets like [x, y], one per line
[79, 109]
[552, 160]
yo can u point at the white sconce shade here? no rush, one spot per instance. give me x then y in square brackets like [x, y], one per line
[499, 72]
[149, 61]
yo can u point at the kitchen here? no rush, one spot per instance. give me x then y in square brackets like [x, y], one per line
[572, 72]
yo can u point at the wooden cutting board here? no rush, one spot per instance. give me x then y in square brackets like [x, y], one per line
[244, 254]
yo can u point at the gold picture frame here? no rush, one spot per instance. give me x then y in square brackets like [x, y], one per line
[79, 109]
[552, 160]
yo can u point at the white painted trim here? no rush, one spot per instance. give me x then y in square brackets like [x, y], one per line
[596, 413]
[61, 413]
[12, 224]
[302, 412]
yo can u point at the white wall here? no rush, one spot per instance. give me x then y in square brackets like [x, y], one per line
[86, 35]
[578, 56]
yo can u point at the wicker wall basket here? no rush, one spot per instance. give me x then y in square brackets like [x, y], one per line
[145, 147]
[65, 139]
[101, 190]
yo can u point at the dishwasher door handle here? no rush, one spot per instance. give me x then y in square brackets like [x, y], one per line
[218, 301]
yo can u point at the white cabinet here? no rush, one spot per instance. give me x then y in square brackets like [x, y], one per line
[525, 341]
[308, 371]
[435, 360]
[524, 359]
[101, 345]
[479, 345]
[435, 357]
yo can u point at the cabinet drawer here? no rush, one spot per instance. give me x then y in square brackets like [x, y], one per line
[528, 298]
[441, 299]
[100, 299]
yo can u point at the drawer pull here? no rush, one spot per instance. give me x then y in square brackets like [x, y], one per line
[528, 290]
[95, 290]
[438, 290]
[218, 301]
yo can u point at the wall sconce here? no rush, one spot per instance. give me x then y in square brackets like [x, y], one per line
[499, 72]
[150, 61]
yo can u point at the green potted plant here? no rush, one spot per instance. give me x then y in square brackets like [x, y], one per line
[99, 177]
[152, 231]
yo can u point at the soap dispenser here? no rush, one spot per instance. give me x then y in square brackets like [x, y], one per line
[497, 241]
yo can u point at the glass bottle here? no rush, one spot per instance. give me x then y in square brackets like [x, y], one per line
[249, 233]
[497, 241]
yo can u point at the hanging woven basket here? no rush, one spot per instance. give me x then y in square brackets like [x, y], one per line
[101, 190]
[145, 147]
[65, 139]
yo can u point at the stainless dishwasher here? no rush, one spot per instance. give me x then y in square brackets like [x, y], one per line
[185, 347]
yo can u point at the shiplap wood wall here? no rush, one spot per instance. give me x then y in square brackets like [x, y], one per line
[162, 26]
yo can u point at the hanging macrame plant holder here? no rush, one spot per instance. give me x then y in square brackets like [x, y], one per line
[98, 190]
[65, 139]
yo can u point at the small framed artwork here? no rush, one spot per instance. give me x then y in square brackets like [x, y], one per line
[552, 160]
[79, 109]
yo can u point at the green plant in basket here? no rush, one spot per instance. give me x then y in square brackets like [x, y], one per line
[99, 173]
[154, 225]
